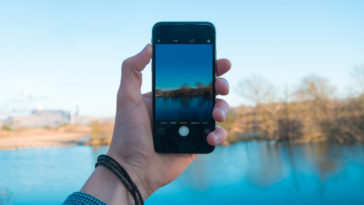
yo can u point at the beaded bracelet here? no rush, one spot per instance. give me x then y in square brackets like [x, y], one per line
[112, 165]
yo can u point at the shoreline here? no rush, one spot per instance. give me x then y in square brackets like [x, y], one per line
[81, 135]
[43, 137]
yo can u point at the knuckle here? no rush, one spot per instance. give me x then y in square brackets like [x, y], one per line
[125, 64]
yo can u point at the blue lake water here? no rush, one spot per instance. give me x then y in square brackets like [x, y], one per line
[244, 173]
[179, 109]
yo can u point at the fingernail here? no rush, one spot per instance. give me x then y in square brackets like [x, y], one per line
[216, 137]
[225, 82]
[222, 111]
[145, 48]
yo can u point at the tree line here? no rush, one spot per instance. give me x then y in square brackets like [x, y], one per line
[200, 90]
[309, 113]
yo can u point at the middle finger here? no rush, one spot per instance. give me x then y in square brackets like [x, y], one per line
[221, 86]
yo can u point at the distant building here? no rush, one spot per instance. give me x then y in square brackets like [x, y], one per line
[40, 118]
[46, 118]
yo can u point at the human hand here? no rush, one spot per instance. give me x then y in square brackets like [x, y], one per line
[132, 141]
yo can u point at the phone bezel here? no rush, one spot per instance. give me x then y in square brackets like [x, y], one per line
[167, 33]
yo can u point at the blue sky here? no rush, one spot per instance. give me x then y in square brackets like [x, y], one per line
[177, 65]
[69, 53]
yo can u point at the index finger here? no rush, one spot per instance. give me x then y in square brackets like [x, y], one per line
[222, 66]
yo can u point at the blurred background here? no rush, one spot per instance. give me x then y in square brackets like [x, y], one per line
[296, 127]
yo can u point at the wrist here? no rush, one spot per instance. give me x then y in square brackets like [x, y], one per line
[105, 186]
[137, 173]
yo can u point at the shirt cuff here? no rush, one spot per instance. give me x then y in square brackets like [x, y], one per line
[82, 198]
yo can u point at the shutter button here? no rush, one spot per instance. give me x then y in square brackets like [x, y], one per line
[183, 131]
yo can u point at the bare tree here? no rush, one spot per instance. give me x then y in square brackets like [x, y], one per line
[315, 97]
[358, 77]
[314, 88]
[257, 90]
[199, 85]
[184, 86]
[261, 92]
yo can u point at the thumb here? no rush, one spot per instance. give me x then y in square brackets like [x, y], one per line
[131, 76]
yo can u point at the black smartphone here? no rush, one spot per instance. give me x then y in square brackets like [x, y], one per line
[183, 85]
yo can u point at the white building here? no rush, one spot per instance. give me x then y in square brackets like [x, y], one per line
[40, 118]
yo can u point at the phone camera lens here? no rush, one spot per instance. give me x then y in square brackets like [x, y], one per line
[192, 40]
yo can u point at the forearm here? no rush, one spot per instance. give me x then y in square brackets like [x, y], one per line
[105, 186]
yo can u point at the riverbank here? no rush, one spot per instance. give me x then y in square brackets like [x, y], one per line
[43, 137]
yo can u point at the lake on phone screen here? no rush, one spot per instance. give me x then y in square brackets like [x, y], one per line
[178, 109]
[243, 173]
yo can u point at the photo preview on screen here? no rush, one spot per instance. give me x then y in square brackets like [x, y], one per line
[183, 92]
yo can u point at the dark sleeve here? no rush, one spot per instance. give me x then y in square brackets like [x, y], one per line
[82, 198]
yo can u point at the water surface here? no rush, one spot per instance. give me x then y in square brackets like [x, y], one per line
[183, 109]
[245, 173]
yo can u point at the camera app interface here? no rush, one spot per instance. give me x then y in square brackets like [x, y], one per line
[183, 90]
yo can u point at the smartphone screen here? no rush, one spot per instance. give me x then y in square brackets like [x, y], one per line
[183, 90]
